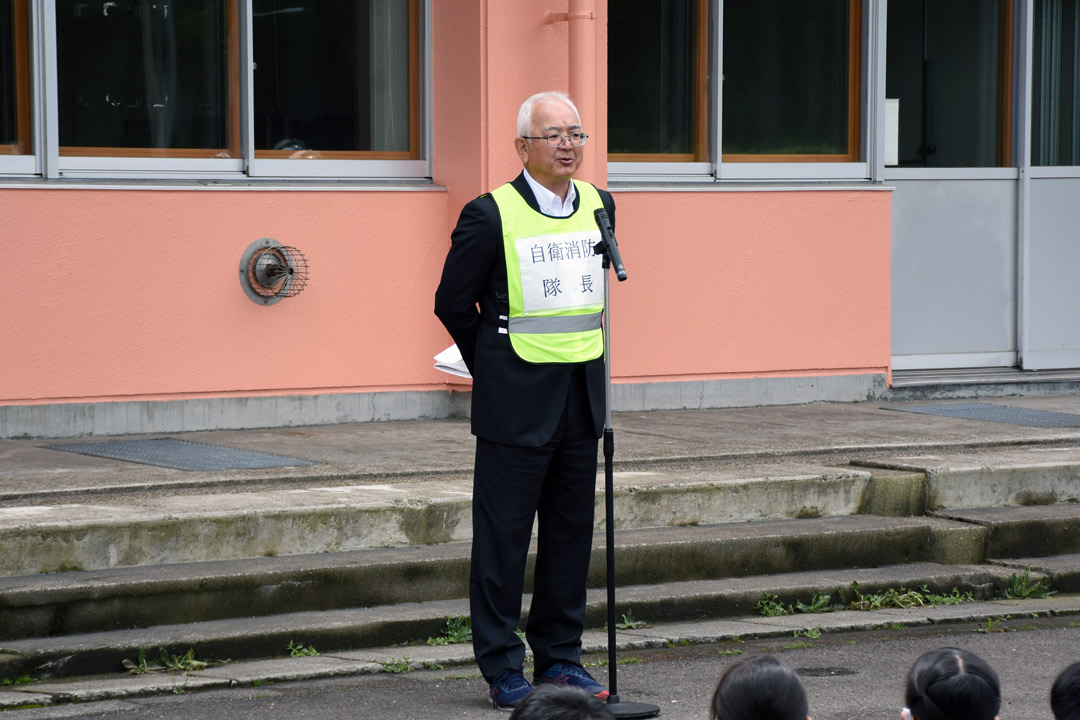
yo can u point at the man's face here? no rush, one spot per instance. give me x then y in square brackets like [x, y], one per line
[552, 167]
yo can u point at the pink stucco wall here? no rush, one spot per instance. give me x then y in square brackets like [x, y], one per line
[130, 293]
[113, 294]
[728, 284]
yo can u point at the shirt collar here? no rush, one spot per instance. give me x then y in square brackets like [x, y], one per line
[549, 202]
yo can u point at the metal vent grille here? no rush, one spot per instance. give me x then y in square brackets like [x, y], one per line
[182, 454]
[997, 413]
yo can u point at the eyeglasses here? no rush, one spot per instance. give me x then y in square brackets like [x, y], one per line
[577, 139]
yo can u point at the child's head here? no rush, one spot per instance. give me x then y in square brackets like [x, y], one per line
[560, 702]
[1065, 694]
[952, 684]
[759, 688]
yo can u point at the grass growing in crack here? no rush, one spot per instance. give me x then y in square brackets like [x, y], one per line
[165, 662]
[458, 630]
[396, 665]
[891, 598]
[461, 676]
[629, 622]
[681, 642]
[954, 598]
[812, 633]
[1025, 587]
[819, 603]
[21, 680]
[771, 606]
[729, 652]
[992, 625]
[301, 650]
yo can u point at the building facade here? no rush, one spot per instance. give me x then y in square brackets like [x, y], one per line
[810, 196]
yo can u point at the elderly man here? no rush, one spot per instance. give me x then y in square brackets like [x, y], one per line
[522, 296]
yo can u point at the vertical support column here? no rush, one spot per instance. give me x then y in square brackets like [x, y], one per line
[1024, 64]
[47, 122]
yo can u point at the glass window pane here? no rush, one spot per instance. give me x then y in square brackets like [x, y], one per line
[1055, 107]
[334, 76]
[14, 78]
[8, 130]
[944, 63]
[145, 75]
[653, 60]
[787, 78]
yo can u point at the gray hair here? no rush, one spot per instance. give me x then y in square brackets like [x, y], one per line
[524, 122]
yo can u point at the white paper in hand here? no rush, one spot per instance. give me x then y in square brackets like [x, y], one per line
[449, 361]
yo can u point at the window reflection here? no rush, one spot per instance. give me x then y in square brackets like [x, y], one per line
[1055, 131]
[790, 78]
[8, 132]
[948, 65]
[653, 67]
[143, 75]
[14, 78]
[331, 76]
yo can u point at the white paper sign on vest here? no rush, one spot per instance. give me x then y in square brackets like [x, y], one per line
[560, 272]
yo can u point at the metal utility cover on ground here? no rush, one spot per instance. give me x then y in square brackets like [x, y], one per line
[183, 455]
[998, 414]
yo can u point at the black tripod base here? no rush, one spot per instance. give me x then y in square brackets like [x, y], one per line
[631, 709]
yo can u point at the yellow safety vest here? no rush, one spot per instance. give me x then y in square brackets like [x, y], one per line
[555, 280]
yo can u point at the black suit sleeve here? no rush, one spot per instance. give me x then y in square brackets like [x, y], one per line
[469, 264]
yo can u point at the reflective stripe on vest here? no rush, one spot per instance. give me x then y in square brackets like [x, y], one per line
[555, 280]
[555, 324]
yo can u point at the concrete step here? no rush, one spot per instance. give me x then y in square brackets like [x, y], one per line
[112, 692]
[1061, 571]
[81, 601]
[81, 622]
[148, 525]
[982, 478]
[1036, 530]
[337, 631]
[149, 528]
[347, 563]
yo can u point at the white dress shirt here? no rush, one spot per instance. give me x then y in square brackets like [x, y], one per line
[550, 203]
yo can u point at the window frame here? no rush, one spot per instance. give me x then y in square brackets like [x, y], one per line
[49, 160]
[717, 167]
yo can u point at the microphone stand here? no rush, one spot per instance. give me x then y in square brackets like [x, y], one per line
[609, 249]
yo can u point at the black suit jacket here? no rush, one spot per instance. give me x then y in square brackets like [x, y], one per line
[513, 401]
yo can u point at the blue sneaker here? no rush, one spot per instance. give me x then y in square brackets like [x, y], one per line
[562, 673]
[508, 689]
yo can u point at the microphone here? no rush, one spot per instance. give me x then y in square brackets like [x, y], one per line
[610, 246]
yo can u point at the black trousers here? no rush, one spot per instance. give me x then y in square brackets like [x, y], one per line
[556, 484]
